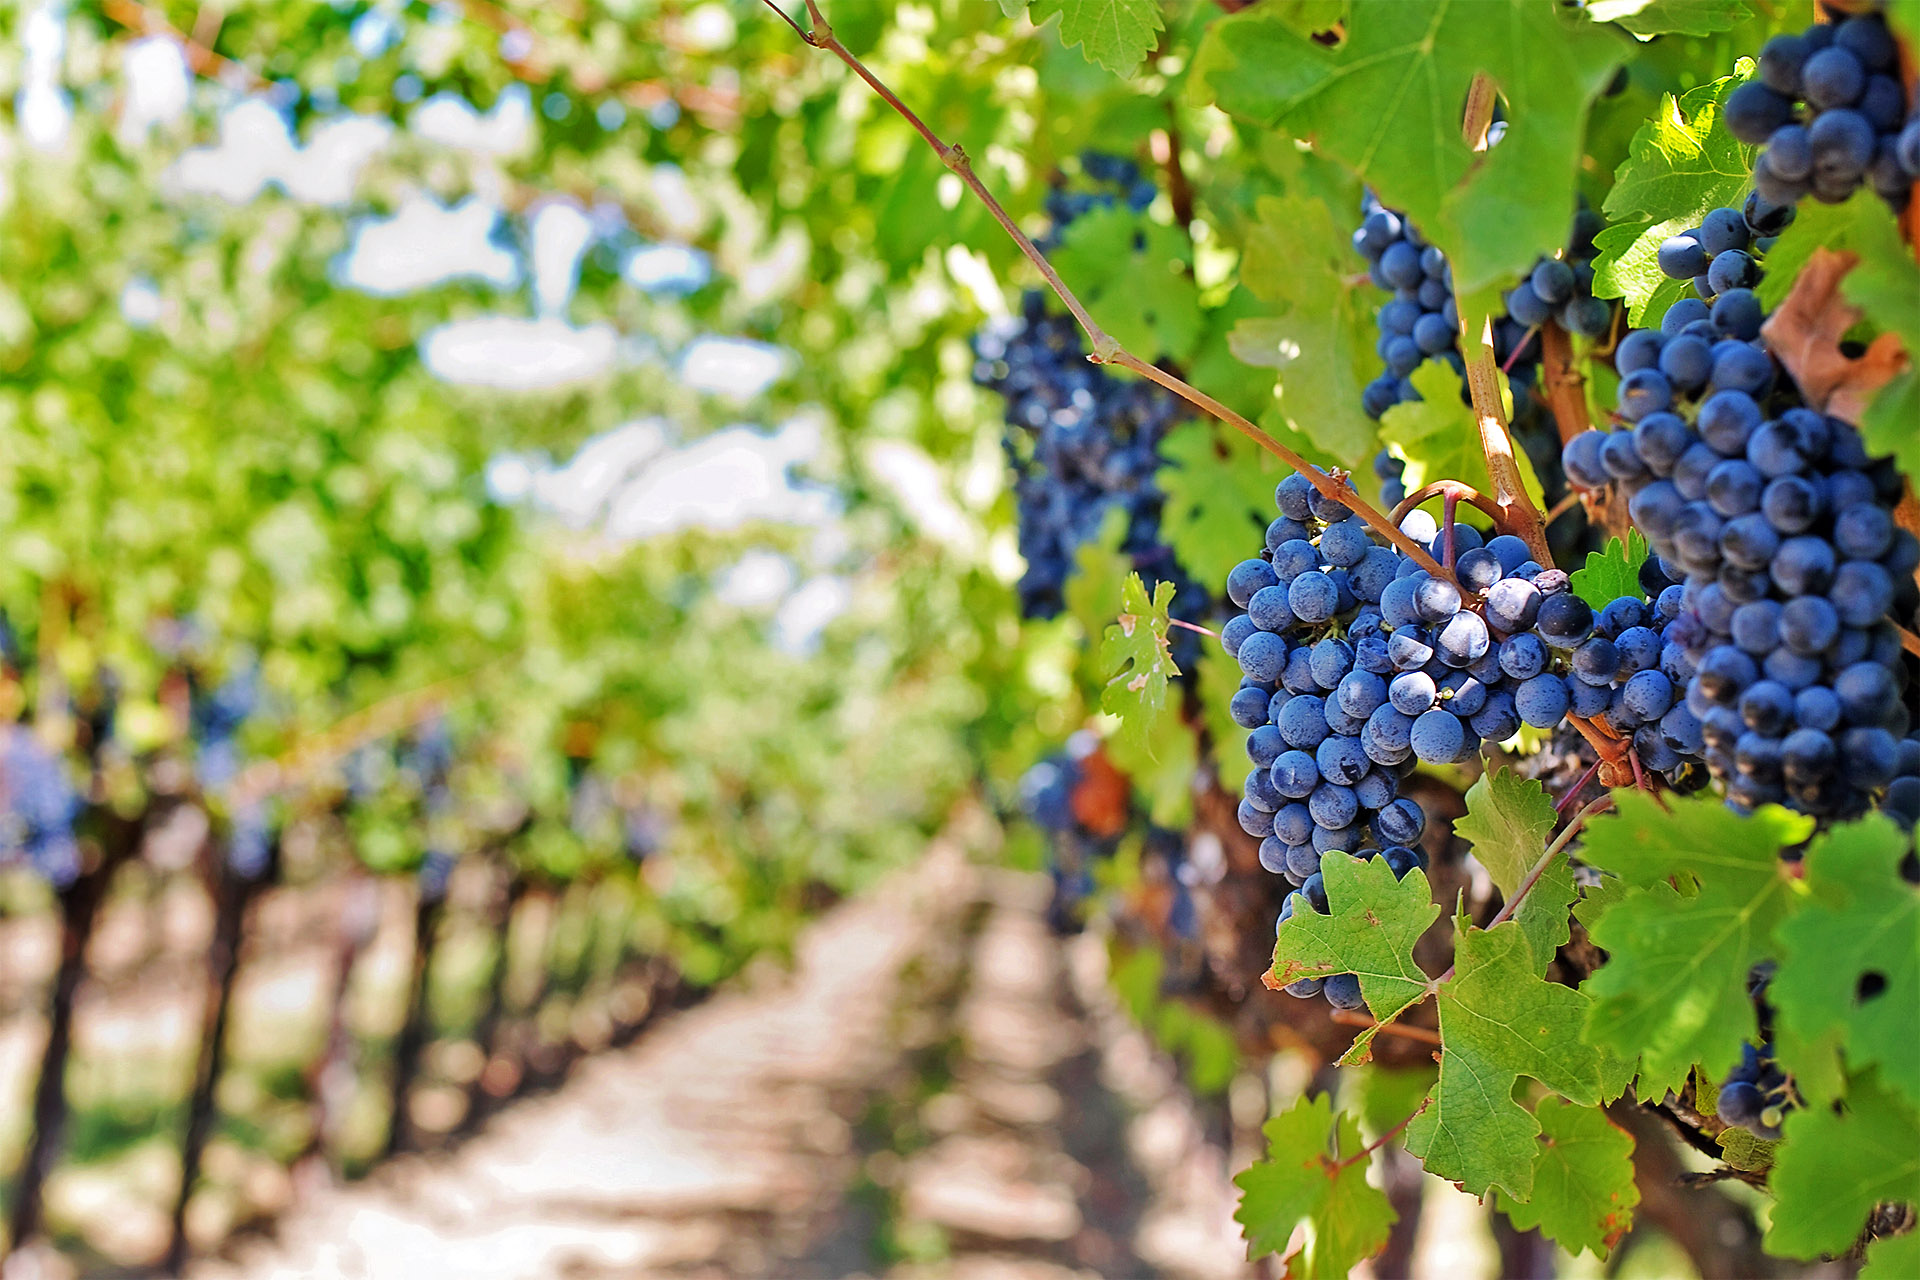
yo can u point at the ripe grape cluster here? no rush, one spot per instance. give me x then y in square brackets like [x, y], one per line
[1757, 1094]
[1780, 527]
[215, 720]
[1829, 108]
[1080, 441]
[1421, 322]
[1047, 798]
[1726, 253]
[41, 806]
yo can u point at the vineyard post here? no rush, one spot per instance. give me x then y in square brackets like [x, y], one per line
[412, 1042]
[486, 1031]
[358, 920]
[79, 906]
[231, 894]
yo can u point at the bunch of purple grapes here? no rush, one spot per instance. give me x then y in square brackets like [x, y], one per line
[1421, 321]
[1082, 442]
[40, 809]
[1757, 1094]
[1831, 112]
[1780, 527]
[1046, 797]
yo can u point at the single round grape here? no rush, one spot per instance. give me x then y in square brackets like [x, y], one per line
[1343, 991]
[1313, 597]
[1273, 855]
[1737, 314]
[1438, 737]
[1681, 314]
[1412, 692]
[1333, 805]
[1642, 392]
[1248, 708]
[1724, 673]
[1726, 420]
[1294, 825]
[1781, 59]
[1263, 655]
[1401, 822]
[1843, 144]
[1753, 110]
[1303, 723]
[1804, 566]
[1682, 257]
[1512, 605]
[1254, 822]
[1740, 366]
[1410, 648]
[1564, 620]
[1687, 362]
[1376, 790]
[1639, 349]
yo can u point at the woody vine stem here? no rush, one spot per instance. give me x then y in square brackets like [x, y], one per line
[1105, 350]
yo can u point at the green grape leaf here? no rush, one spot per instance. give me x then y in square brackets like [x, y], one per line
[1611, 573]
[1583, 1188]
[1626, 266]
[1862, 225]
[1674, 988]
[1893, 1258]
[1219, 497]
[1744, 1150]
[1132, 274]
[1438, 438]
[1509, 822]
[1681, 164]
[1312, 1178]
[1135, 651]
[1115, 34]
[1310, 17]
[1298, 257]
[1850, 957]
[1835, 1164]
[1648, 18]
[1386, 102]
[1884, 284]
[1500, 1021]
[1369, 932]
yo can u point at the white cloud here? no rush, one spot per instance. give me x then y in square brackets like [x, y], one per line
[808, 611]
[666, 268]
[756, 581]
[424, 244]
[158, 85]
[723, 481]
[917, 481]
[579, 491]
[450, 120]
[256, 150]
[512, 354]
[736, 368]
[560, 233]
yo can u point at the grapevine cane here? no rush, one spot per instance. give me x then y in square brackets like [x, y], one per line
[1483, 380]
[1106, 350]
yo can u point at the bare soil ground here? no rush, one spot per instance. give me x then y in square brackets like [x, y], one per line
[938, 1087]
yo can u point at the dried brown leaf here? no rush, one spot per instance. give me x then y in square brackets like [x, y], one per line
[1805, 332]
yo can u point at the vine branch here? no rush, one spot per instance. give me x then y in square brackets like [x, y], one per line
[1354, 1018]
[1566, 395]
[1335, 485]
[1483, 379]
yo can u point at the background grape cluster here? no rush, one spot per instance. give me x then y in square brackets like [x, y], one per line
[1831, 113]
[1080, 441]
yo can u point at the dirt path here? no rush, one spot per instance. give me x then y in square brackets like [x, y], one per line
[938, 1088]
